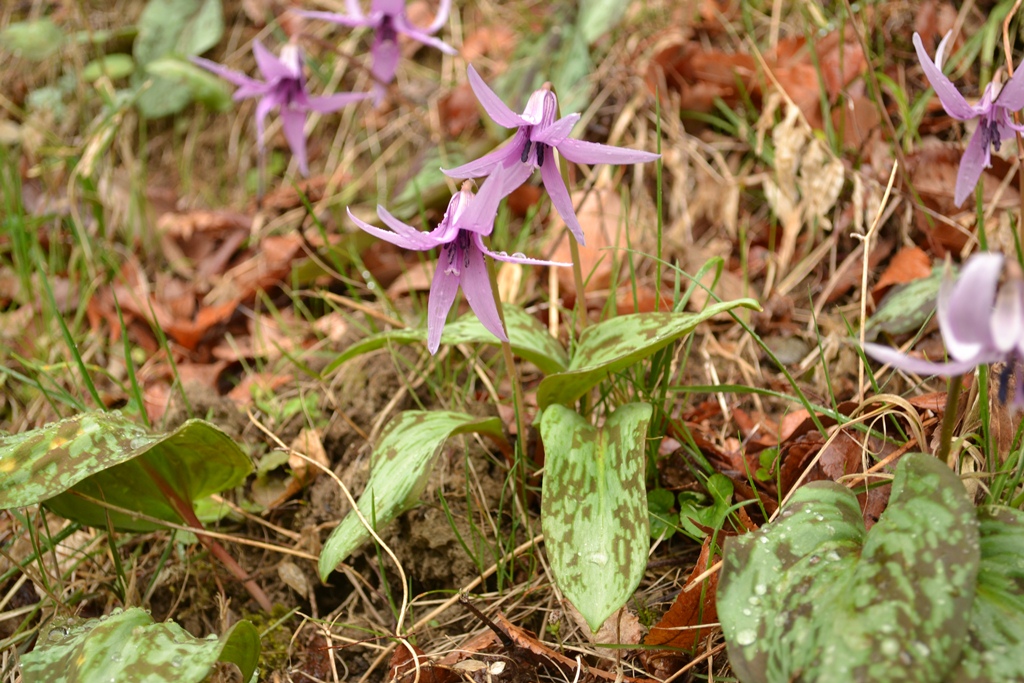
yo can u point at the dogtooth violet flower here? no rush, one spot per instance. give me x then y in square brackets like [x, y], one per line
[981, 321]
[387, 18]
[284, 87]
[993, 112]
[468, 219]
[537, 133]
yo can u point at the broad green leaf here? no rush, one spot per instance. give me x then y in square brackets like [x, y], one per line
[109, 457]
[528, 337]
[659, 513]
[179, 27]
[696, 507]
[994, 652]
[594, 506]
[33, 40]
[597, 17]
[113, 66]
[203, 86]
[814, 597]
[128, 647]
[617, 343]
[906, 307]
[399, 469]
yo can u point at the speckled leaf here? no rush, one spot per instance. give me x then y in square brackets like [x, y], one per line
[399, 469]
[128, 647]
[617, 343]
[994, 652]
[594, 506]
[529, 339]
[109, 457]
[813, 597]
[906, 307]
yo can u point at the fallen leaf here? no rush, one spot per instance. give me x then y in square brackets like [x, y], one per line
[909, 264]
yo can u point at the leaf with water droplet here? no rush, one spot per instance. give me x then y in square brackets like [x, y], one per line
[815, 597]
[128, 647]
[594, 506]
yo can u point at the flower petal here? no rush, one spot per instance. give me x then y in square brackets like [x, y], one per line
[506, 156]
[418, 242]
[270, 66]
[1011, 96]
[443, 10]
[386, 55]
[442, 234]
[592, 153]
[492, 104]
[555, 186]
[1007, 321]
[329, 103]
[293, 122]
[952, 101]
[442, 296]
[419, 36]
[479, 213]
[352, 20]
[975, 160]
[263, 108]
[230, 75]
[918, 366]
[965, 308]
[514, 258]
[557, 132]
[476, 286]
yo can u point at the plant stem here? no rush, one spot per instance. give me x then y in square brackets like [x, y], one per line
[949, 417]
[510, 365]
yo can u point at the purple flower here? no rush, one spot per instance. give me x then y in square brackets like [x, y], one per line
[993, 113]
[387, 19]
[537, 133]
[981, 323]
[284, 86]
[468, 219]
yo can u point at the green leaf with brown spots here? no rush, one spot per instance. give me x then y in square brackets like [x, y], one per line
[994, 652]
[107, 456]
[814, 597]
[128, 647]
[399, 469]
[618, 343]
[529, 339]
[594, 506]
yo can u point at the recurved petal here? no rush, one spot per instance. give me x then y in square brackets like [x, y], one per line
[975, 160]
[504, 156]
[1007, 320]
[557, 132]
[918, 366]
[442, 234]
[402, 26]
[230, 75]
[329, 103]
[386, 55]
[294, 122]
[559, 195]
[1012, 95]
[965, 307]
[476, 285]
[263, 108]
[443, 10]
[481, 209]
[515, 258]
[492, 104]
[442, 295]
[270, 66]
[592, 153]
[418, 241]
[952, 101]
[353, 20]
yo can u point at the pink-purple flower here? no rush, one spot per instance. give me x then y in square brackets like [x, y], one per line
[993, 112]
[468, 219]
[981, 321]
[284, 87]
[387, 18]
[537, 135]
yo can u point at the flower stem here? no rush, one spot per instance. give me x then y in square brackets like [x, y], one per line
[510, 365]
[956, 382]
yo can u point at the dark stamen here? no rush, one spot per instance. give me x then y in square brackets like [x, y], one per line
[526, 152]
[540, 154]
[1004, 381]
[990, 129]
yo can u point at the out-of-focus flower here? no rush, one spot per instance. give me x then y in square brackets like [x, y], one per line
[993, 112]
[387, 18]
[981, 321]
[468, 219]
[537, 133]
[284, 86]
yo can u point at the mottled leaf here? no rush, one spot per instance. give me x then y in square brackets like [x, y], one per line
[813, 597]
[33, 40]
[906, 307]
[128, 647]
[399, 469]
[109, 457]
[594, 506]
[180, 27]
[617, 343]
[994, 652]
[112, 66]
[529, 339]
